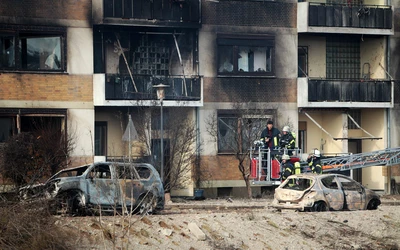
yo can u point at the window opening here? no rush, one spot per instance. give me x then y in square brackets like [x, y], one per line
[7, 128]
[40, 53]
[342, 57]
[302, 61]
[7, 52]
[242, 56]
[237, 134]
[152, 55]
[100, 140]
[356, 114]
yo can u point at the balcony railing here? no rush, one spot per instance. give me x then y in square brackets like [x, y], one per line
[163, 10]
[341, 15]
[349, 90]
[121, 87]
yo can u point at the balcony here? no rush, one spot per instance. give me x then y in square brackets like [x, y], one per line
[117, 89]
[345, 19]
[329, 93]
[169, 13]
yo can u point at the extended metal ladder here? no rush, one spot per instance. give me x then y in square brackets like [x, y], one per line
[386, 157]
[265, 165]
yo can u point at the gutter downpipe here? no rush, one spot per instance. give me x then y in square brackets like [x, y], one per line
[389, 142]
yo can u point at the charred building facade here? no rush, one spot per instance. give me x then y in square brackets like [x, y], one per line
[47, 71]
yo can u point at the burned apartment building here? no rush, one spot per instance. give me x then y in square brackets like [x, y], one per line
[139, 45]
[91, 68]
[46, 71]
[248, 58]
[344, 84]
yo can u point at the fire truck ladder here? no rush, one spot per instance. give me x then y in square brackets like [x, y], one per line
[386, 157]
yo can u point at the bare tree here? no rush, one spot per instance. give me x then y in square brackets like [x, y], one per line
[237, 132]
[40, 153]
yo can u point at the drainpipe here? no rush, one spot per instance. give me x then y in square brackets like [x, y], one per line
[197, 140]
[389, 169]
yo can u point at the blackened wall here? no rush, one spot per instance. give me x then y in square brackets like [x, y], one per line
[250, 13]
[249, 89]
[51, 9]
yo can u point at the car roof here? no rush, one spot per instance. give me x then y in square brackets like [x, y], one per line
[316, 176]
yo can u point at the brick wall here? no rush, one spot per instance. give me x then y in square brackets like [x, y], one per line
[46, 87]
[249, 89]
[222, 167]
[249, 13]
[53, 9]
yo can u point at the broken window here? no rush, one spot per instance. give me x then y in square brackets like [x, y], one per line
[32, 50]
[101, 172]
[7, 51]
[146, 54]
[299, 184]
[152, 55]
[245, 56]
[329, 182]
[40, 52]
[234, 131]
[7, 128]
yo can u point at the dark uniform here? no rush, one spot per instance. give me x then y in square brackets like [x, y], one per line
[315, 164]
[273, 136]
[287, 170]
[287, 141]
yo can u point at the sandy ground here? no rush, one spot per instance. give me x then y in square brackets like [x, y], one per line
[238, 224]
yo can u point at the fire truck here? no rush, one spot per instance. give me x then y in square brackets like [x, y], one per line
[266, 164]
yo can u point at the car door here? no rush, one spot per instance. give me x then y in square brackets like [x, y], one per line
[101, 186]
[129, 183]
[333, 195]
[354, 193]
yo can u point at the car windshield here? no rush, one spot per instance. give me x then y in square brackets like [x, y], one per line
[70, 172]
[298, 183]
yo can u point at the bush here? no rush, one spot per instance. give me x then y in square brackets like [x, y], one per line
[29, 226]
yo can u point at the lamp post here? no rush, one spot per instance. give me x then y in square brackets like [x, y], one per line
[160, 96]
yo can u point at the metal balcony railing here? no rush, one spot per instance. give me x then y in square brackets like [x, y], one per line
[343, 15]
[121, 87]
[163, 10]
[338, 90]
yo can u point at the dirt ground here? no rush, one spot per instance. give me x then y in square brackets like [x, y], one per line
[239, 224]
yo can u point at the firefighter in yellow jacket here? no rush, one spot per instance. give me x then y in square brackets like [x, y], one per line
[314, 161]
[287, 167]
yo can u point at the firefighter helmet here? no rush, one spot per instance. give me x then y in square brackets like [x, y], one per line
[317, 153]
[285, 157]
[285, 129]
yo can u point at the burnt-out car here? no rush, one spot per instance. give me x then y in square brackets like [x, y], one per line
[312, 192]
[105, 186]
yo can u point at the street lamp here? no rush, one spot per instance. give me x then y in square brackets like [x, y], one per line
[160, 96]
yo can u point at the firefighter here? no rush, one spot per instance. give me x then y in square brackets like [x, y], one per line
[270, 136]
[287, 167]
[314, 161]
[288, 139]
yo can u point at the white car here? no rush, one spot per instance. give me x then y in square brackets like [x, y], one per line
[313, 192]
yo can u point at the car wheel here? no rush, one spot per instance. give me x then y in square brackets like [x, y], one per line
[69, 203]
[147, 204]
[319, 206]
[373, 204]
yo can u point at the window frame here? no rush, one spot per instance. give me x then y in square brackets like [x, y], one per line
[235, 41]
[21, 34]
[239, 129]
